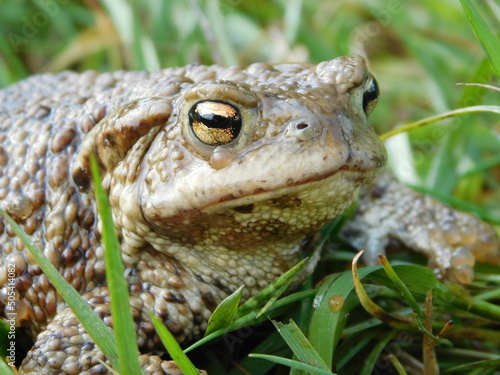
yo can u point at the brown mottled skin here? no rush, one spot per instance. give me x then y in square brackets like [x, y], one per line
[199, 210]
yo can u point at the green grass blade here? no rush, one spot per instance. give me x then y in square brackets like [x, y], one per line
[97, 329]
[482, 308]
[220, 33]
[224, 314]
[4, 334]
[419, 279]
[273, 345]
[11, 67]
[326, 325]
[488, 40]
[299, 344]
[352, 345]
[490, 364]
[6, 346]
[334, 301]
[293, 364]
[401, 286]
[121, 13]
[173, 348]
[121, 312]
[251, 318]
[5, 369]
[293, 17]
[441, 116]
[271, 292]
[370, 362]
[140, 48]
[397, 364]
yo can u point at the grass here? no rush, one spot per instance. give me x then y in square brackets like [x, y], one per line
[417, 50]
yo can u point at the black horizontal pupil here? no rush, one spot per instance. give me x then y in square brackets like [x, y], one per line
[212, 120]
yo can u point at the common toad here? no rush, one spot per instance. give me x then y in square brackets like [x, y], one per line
[216, 177]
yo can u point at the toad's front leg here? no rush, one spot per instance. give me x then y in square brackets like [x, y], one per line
[65, 347]
[452, 240]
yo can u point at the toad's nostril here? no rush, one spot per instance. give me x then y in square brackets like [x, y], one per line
[303, 129]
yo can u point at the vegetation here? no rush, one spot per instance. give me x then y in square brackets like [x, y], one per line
[418, 51]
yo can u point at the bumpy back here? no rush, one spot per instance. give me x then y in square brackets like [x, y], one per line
[43, 121]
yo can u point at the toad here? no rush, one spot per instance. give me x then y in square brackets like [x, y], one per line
[217, 177]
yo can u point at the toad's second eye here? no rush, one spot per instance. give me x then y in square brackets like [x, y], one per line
[215, 122]
[370, 96]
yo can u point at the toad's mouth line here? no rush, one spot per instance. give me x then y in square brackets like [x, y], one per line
[323, 182]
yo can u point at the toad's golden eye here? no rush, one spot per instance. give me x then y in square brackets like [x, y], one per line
[370, 96]
[215, 122]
